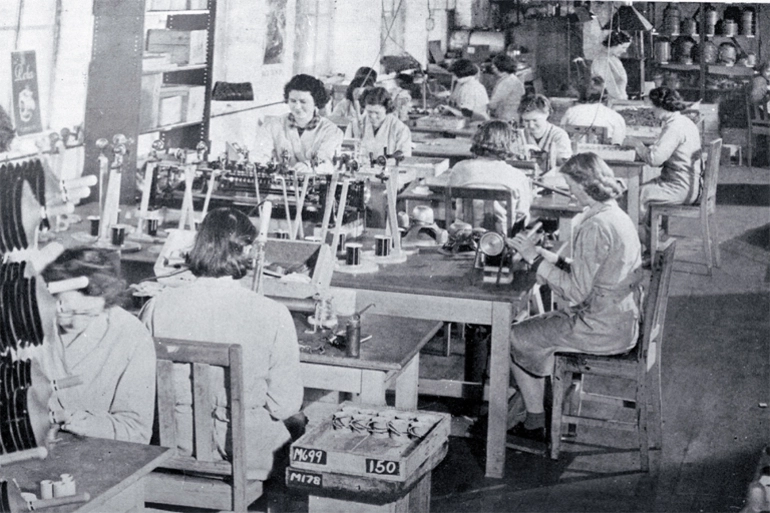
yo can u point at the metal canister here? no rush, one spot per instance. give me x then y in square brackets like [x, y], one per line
[729, 28]
[747, 22]
[671, 17]
[662, 51]
[711, 20]
[353, 336]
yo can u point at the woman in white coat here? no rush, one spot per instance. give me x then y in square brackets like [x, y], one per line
[381, 131]
[608, 65]
[302, 135]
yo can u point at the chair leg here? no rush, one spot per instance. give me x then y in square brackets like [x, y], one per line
[557, 387]
[712, 219]
[706, 234]
[655, 394]
[642, 421]
[655, 220]
[575, 401]
[448, 338]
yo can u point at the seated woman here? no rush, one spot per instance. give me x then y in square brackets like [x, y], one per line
[106, 346]
[508, 91]
[541, 134]
[677, 150]
[469, 95]
[592, 112]
[403, 94]
[608, 65]
[602, 283]
[491, 146]
[216, 307]
[302, 134]
[350, 107]
[380, 128]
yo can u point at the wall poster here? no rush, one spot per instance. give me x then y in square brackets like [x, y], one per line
[26, 96]
[275, 36]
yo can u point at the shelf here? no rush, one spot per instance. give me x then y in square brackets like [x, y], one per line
[167, 128]
[713, 69]
[172, 68]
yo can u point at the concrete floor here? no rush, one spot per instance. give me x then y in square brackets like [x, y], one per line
[716, 388]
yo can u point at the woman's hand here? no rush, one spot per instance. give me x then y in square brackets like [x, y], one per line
[525, 247]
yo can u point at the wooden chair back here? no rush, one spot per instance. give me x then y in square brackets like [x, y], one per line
[480, 192]
[758, 120]
[711, 176]
[588, 134]
[234, 492]
[642, 364]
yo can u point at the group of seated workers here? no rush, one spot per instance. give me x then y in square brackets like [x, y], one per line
[113, 351]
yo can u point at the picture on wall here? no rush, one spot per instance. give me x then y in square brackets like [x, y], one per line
[26, 98]
[275, 38]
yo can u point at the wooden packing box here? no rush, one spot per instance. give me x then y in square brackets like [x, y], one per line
[426, 166]
[343, 451]
[441, 122]
[172, 105]
[608, 151]
[196, 99]
[149, 101]
[183, 46]
[315, 256]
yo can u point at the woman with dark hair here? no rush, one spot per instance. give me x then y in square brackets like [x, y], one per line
[508, 91]
[350, 107]
[469, 95]
[602, 282]
[608, 65]
[380, 129]
[592, 112]
[541, 134]
[367, 73]
[302, 134]
[677, 150]
[216, 307]
[491, 146]
[107, 347]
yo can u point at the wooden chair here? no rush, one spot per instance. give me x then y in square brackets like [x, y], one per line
[204, 480]
[587, 134]
[705, 211]
[641, 365]
[758, 122]
[480, 192]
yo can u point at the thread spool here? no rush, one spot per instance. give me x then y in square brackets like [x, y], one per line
[46, 489]
[94, 222]
[711, 20]
[379, 427]
[382, 245]
[341, 420]
[360, 423]
[728, 54]
[341, 243]
[60, 489]
[689, 27]
[353, 253]
[69, 484]
[152, 226]
[118, 235]
[398, 430]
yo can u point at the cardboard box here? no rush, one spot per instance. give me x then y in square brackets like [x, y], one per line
[172, 105]
[159, 5]
[196, 100]
[148, 101]
[183, 46]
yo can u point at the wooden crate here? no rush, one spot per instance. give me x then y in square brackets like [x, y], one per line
[426, 166]
[324, 449]
[608, 151]
[440, 122]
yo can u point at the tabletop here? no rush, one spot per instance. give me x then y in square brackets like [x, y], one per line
[394, 342]
[431, 273]
[101, 467]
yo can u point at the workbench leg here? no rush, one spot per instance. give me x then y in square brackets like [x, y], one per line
[498, 389]
[372, 387]
[406, 385]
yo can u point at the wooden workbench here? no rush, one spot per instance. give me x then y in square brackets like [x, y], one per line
[390, 359]
[433, 287]
[112, 472]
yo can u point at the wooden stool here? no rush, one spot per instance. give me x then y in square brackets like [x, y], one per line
[345, 470]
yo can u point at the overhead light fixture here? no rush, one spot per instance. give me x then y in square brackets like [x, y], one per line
[628, 18]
